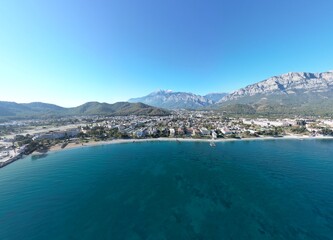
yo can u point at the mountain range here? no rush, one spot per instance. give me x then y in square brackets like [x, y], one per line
[292, 93]
[300, 93]
[294, 83]
[179, 100]
[295, 92]
[14, 110]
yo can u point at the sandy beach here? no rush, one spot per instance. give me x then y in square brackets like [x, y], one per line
[119, 141]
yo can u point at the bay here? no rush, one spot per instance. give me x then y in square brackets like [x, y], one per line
[272, 189]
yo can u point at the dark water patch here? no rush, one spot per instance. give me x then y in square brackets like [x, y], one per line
[39, 156]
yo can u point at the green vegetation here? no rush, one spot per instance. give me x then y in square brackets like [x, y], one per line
[327, 132]
[275, 105]
[298, 129]
[12, 110]
[238, 109]
[275, 131]
[116, 109]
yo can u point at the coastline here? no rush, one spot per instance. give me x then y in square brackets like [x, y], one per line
[58, 147]
[165, 139]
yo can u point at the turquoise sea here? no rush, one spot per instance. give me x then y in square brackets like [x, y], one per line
[274, 189]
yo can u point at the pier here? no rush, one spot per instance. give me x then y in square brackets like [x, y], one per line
[7, 160]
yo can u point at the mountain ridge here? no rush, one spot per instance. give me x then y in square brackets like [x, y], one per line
[177, 100]
[22, 110]
[288, 83]
[292, 93]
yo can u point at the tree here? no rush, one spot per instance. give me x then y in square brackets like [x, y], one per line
[327, 132]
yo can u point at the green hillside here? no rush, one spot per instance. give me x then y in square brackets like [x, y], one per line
[12, 110]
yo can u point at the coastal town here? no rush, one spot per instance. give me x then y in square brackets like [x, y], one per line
[24, 137]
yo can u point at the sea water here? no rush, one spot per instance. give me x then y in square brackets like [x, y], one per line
[272, 189]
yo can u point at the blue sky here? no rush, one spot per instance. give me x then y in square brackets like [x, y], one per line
[69, 52]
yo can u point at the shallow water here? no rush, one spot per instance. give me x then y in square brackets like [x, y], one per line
[274, 189]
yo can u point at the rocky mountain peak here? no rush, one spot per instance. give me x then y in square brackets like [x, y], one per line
[289, 83]
[177, 100]
[161, 91]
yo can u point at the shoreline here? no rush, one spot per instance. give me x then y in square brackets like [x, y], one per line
[69, 146]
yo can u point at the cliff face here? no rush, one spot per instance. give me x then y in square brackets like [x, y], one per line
[287, 84]
[174, 100]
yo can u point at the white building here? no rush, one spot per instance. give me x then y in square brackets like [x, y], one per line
[172, 132]
[329, 123]
[58, 134]
[214, 135]
[204, 131]
[226, 130]
[141, 133]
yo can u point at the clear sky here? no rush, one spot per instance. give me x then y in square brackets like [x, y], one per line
[69, 52]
